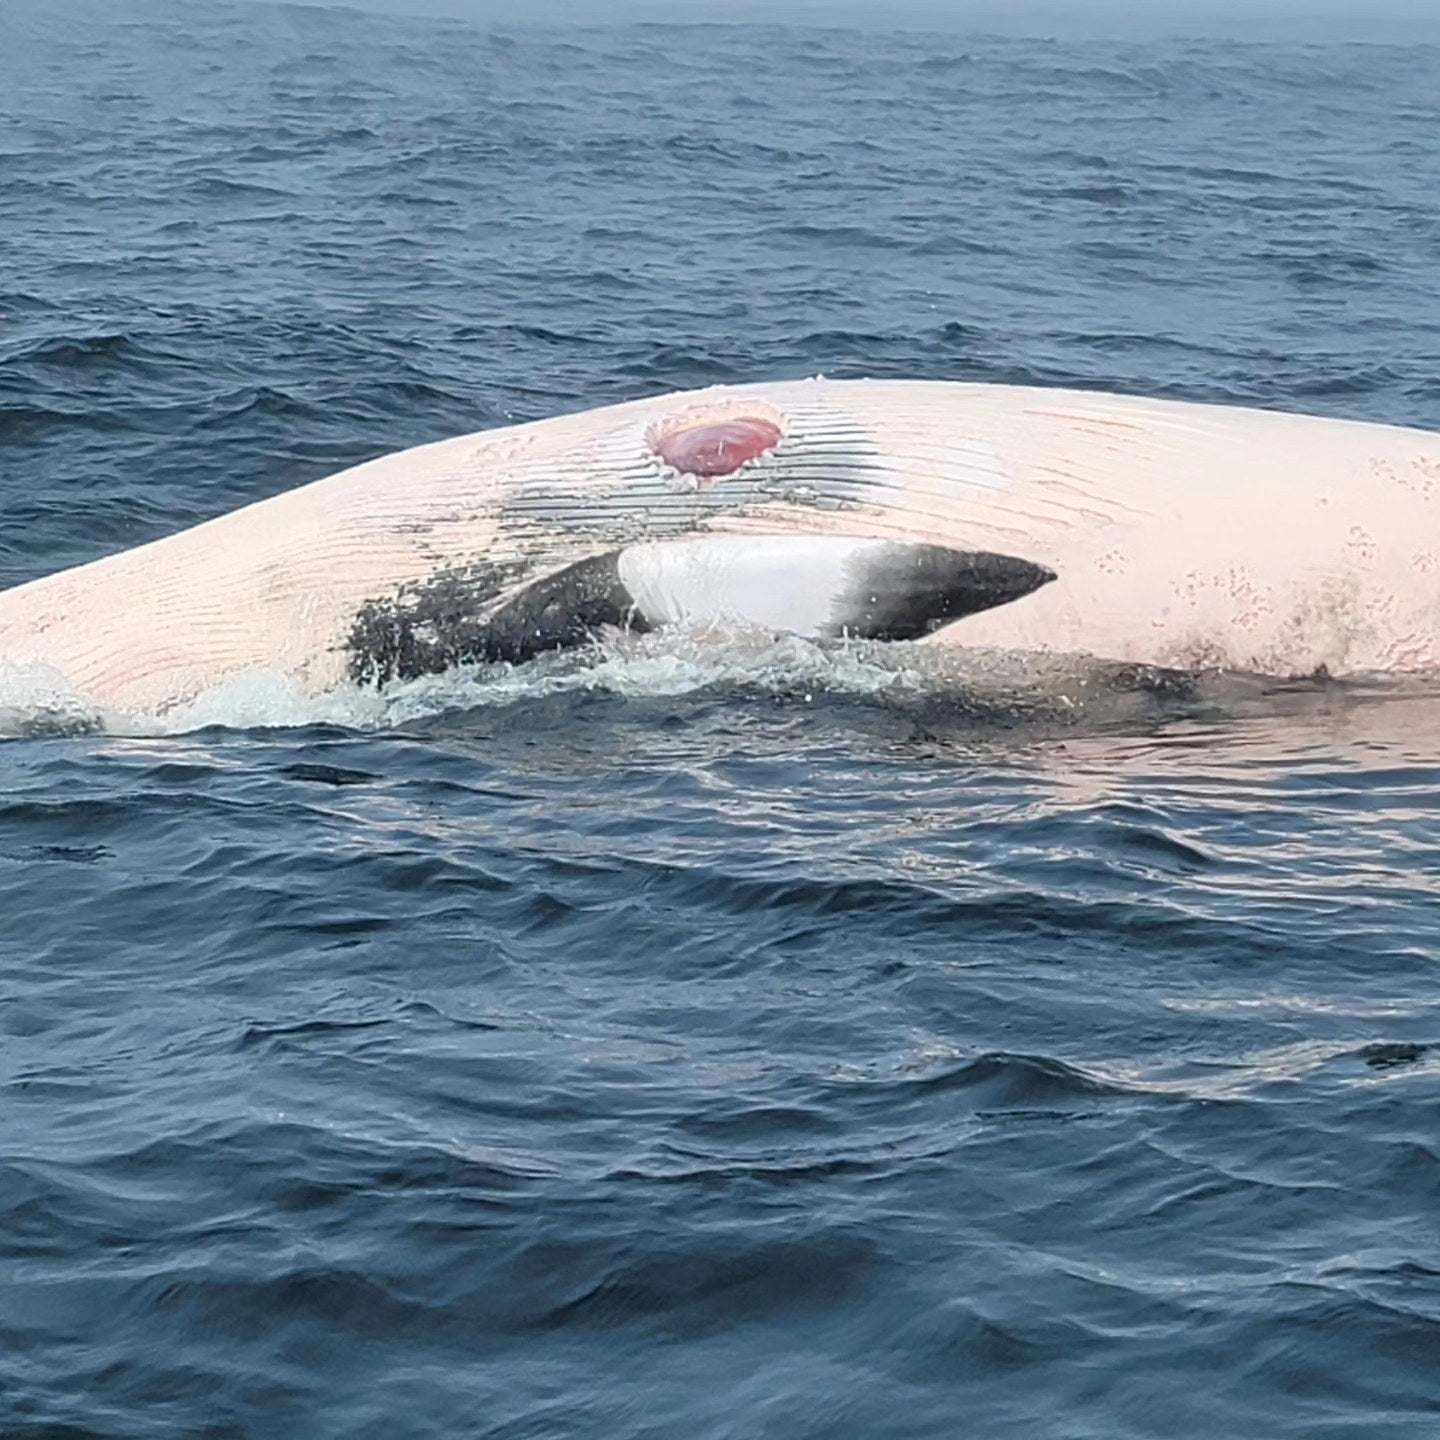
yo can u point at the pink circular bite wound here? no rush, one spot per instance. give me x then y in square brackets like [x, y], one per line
[720, 448]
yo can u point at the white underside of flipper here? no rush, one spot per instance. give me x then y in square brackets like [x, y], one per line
[819, 586]
[778, 582]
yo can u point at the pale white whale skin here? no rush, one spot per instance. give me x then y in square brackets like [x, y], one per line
[1179, 534]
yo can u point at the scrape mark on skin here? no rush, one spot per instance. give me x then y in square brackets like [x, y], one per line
[1361, 544]
[798, 494]
[706, 443]
[1426, 479]
[1059, 478]
[721, 448]
[1084, 420]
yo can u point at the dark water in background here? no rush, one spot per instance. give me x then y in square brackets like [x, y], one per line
[738, 1045]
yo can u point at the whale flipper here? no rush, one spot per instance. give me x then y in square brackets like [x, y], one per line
[821, 586]
[818, 586]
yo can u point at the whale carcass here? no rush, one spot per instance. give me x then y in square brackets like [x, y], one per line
[1135, 530]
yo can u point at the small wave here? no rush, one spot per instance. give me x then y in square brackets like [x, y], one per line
[218, 187]
[27, 423]
[81, 350]
[1000, 1080]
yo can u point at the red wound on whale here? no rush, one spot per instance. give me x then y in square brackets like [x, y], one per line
[719, 448]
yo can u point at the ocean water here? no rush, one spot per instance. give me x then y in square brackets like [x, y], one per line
[749, 1040]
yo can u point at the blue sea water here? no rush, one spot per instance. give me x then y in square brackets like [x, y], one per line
[747, 1044]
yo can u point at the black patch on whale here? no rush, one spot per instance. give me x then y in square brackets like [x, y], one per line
[562, 610]
[903, 591]
[452, 620]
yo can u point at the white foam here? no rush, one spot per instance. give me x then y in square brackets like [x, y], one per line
[35, 697]
[669, 663]
[672, 662]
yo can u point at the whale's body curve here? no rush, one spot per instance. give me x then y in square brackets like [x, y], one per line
[1138, 530]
